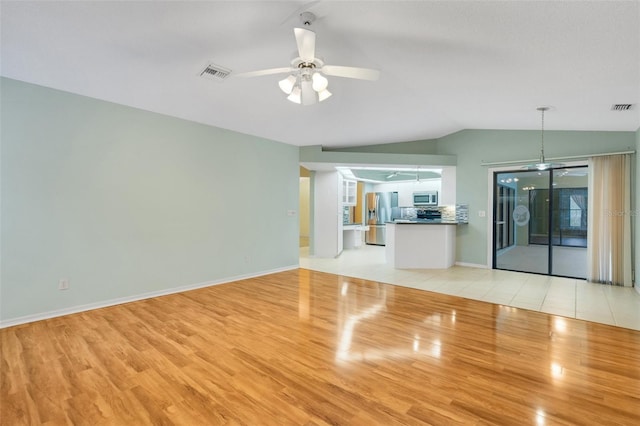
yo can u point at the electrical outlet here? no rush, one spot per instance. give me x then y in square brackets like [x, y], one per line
[63, 284]
[482, 213]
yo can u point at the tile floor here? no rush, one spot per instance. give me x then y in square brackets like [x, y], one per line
[568, 297]
[567, 261]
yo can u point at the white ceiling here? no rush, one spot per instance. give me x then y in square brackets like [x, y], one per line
[445, 65]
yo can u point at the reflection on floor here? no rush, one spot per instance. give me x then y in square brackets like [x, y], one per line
[568, 297]
[557, 241]
[567, 261]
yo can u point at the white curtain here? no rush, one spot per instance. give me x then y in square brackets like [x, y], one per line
[609, 223]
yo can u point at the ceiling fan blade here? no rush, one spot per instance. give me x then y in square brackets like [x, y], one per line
[306, 40]
[269, 71]
[351, 72]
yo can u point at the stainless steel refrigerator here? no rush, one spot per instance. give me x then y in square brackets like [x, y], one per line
[380, 207]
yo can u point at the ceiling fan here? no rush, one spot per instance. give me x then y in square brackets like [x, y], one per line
[306, 83]
[395, 174]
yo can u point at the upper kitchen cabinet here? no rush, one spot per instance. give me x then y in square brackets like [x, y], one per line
[349, 192]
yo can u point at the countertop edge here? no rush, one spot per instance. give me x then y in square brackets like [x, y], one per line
[449, 222]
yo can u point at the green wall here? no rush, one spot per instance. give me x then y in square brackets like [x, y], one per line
[472, 148]
[425, 147]
[127, 203]
[636, 206]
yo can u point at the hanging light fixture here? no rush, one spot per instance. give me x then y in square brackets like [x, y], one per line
[542, 164]
[307, 87]
[306, 83]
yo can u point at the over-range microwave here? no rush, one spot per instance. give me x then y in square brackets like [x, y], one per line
[426, 198]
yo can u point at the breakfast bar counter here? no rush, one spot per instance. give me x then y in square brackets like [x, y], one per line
[421, 244]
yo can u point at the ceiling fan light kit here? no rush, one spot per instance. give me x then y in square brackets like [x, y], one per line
[306, 83]
[287, 84]
[320, 83]
[307, 87]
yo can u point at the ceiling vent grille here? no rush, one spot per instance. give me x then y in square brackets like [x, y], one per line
[621, 107]
[215, 72]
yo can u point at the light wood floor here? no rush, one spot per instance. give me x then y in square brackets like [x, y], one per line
[311, 348]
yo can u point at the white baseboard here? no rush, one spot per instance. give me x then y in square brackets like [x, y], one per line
[111, 302]
[472, 265]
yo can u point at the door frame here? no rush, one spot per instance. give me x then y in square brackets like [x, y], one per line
[490, 202]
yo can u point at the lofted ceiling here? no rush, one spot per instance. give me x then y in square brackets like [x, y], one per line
[445, 65]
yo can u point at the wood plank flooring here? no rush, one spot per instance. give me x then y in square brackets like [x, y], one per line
[310, 348]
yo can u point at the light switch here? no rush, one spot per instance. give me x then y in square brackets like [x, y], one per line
[291, 212]
[482, 213]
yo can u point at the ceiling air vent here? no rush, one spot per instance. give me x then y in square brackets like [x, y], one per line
[621, 107]
[215, 72]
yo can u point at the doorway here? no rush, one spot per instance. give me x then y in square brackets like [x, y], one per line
[305, 207]
[540, 221]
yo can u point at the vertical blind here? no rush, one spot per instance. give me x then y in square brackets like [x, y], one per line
[609, 223]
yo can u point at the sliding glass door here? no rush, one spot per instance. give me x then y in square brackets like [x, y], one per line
[569, 222]
[540, 221]
[527, 218]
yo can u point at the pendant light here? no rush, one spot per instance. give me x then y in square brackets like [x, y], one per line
[542, 164]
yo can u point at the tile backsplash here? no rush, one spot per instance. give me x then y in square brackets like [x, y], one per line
[459, 212]
[462, 213]
[346, 214]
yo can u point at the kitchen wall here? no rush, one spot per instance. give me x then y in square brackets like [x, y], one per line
[446, 187]
[406, 189]
[126, 203]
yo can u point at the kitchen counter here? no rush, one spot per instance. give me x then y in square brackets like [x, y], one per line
[421, 247]
[352, 225]
[424, 222]
[352, 235]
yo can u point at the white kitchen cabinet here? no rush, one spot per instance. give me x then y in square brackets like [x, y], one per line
[405, 197]
[349, 192]
[448, 192]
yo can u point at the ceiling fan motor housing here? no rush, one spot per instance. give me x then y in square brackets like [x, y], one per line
[307, 18]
